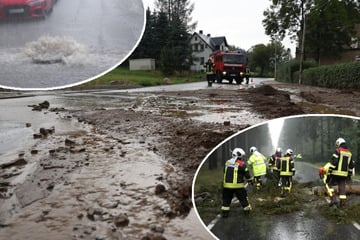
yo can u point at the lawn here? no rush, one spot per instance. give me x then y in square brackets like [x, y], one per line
[124, 77]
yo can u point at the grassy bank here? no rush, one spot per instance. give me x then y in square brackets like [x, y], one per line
[122, 76]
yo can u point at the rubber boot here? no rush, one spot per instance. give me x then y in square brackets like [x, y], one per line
[247, 209]
[225, 214]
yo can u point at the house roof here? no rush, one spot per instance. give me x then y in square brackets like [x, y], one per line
[212, 42]
[217, 41]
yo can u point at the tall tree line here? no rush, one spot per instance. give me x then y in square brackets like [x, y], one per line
[314, 137]
[329, 24]
[167, 33]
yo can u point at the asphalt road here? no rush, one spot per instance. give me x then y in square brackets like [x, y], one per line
[90, 38]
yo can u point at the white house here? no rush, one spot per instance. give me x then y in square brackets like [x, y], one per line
[202, 46]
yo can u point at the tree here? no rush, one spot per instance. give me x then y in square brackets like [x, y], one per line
[266, 56]
[178, 14]
[259, 57]
[324, 39]
[285, 17]
[145, 48]
[330, 24]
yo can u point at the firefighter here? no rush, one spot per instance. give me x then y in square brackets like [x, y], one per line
[339, 169]
[209, 65]
[247, 74]
[273, 159]
[235, 175]
[287, 170]
[258, 163]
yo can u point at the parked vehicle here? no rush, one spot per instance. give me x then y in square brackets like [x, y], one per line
[22, 9]
[229, 65]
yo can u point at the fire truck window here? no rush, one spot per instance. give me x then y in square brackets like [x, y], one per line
[233, 58]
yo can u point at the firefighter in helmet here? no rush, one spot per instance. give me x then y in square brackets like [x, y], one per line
[273, 159]
[258, 163]
[337, 171]
[247, 74]
[235, 175]
[286, 168]
[209, 65]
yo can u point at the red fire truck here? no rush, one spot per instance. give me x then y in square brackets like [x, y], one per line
[229, 65]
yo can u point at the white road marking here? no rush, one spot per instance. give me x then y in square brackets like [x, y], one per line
[213, 222]
[356, 225]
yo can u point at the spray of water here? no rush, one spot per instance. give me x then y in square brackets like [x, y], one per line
[275, 127]
[49, 50]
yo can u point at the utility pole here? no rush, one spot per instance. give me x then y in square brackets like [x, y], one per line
[275, 60]
[302, 50]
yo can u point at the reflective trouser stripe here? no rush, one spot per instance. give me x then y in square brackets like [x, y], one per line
[342, 197]
[330, 191]
[224, 208]
[248, 208]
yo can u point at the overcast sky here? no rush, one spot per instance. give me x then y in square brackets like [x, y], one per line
[240, 21]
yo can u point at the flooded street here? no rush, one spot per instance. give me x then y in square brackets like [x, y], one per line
[117, 164]
[79, 40]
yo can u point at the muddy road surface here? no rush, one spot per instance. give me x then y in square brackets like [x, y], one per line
[119, 165]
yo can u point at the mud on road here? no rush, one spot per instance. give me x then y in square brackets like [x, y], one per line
[128, 173]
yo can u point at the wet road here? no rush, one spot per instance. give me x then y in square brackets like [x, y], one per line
[84, 38]
[14, 112]
[298, 225]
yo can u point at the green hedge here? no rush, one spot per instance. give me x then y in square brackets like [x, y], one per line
[345, 75]
[286, 72]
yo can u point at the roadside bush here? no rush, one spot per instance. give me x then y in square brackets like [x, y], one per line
[286, 72]
[345, 75]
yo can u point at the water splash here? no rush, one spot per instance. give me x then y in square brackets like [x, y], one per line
[51, 50]
[275, 127]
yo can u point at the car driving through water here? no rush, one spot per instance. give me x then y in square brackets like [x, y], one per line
[23, 9]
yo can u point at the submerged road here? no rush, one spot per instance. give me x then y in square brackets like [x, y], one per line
[84, 38]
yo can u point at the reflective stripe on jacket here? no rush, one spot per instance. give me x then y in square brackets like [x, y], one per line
[234, 174]
[257, 161]
[286, 166]
[341, 162]
[209, 66]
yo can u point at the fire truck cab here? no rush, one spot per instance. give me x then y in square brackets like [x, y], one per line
[229, 65]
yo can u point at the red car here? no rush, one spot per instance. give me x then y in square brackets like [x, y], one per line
[14, 9]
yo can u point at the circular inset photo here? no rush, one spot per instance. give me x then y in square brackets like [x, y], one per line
[51, 44]
[288, 178]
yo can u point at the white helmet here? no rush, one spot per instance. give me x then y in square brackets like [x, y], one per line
[339, 141]
[253, 149]
[238, 152]
[278, 150]
[289, 152]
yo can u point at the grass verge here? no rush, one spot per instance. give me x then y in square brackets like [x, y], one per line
[124, 77]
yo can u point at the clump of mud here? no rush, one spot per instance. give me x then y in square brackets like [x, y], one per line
[50, 50]
[272, 103]
[268, 91]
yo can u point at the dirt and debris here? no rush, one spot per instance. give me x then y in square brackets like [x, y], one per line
[129, 175]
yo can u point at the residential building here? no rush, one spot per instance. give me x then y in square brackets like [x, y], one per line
[202, 46]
